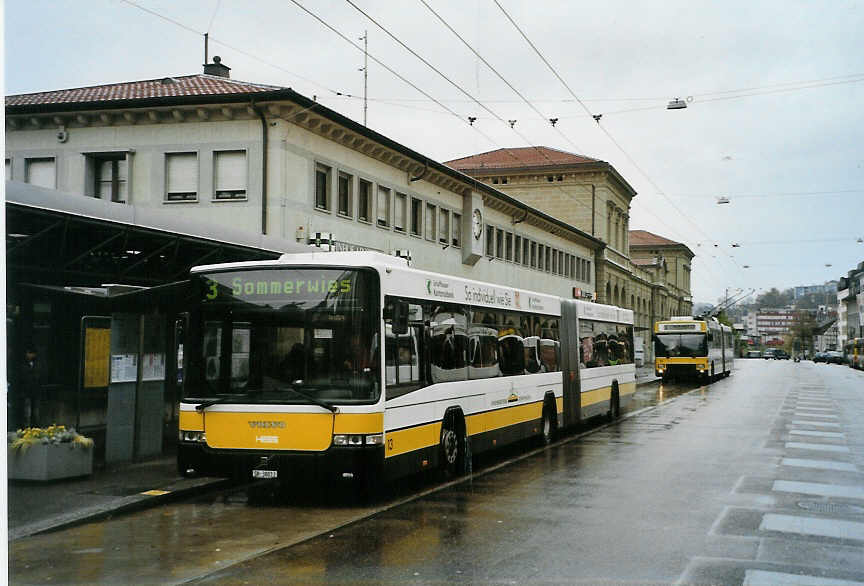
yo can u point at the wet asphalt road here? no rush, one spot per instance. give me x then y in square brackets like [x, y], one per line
[749, 480]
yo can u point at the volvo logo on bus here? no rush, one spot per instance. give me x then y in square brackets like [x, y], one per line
[266, 424]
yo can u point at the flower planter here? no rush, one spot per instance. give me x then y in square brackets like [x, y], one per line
[50, 462]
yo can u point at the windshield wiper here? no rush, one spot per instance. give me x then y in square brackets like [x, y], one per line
[224, 399]
[310, 398]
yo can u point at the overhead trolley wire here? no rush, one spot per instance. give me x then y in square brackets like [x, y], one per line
[497, 73]
[605, 131]
[440, 73]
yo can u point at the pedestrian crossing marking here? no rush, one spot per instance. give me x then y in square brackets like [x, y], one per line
[819, 464]
[816, 447]
[819, 489]
[764, 578]
[812, 526]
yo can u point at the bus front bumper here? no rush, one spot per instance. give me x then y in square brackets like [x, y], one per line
[337, 462]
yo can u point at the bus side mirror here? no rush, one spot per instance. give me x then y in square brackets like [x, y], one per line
[400, 318]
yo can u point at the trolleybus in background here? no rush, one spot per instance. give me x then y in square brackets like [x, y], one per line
[688, 346]
[355, 365]
[855, 353]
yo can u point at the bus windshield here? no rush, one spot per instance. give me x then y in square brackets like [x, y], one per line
[680, 345]
[284, 335]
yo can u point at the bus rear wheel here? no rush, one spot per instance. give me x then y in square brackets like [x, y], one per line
[614, 404]
[550, 423]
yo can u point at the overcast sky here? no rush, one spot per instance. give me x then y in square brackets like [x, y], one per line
[774, 89]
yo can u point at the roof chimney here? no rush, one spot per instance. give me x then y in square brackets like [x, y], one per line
[216, 68]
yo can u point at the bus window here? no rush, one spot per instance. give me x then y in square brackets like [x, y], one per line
[511, 350]
[532, 357]
[448, 344]
[483, 352]
[549, 355]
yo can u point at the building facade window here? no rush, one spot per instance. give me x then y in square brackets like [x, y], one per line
[181, 176]
[431, 221]
[400, 209]
[533, 255]
[41, 171]
[490, 241]
[526, 252]
[508, 246]
[230, 175]
[364, 201]
[443, 226]
[517, 250]
[456, 232]
[383, 216]
[344, 186]
[322, 187]
[499, 243]
[416, 216]
[107, 176]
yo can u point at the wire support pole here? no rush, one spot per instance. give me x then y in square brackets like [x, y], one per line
[365, 74]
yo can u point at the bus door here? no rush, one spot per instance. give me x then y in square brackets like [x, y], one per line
[570, 363]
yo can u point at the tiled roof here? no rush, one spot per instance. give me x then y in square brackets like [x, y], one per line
[168, 87]
[518, 157]
[645, 238]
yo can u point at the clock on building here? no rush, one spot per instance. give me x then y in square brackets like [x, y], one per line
[477, 223]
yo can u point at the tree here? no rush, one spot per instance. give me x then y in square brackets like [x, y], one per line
[801, 333]
[775, 298]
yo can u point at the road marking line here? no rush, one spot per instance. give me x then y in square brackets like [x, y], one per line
[816, 447]
[811, 526]
[762, 577]
[817, 410]
[810, 414]
[831, 434]
[814, 404]
[819, 489]
[815, 423]
[819, 464]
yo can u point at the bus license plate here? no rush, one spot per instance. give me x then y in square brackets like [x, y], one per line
[265, 474]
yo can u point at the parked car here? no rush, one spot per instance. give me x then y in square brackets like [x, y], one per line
[780, 355]
[753, 354]
[820, 357]
[768, 354]
[835, 357]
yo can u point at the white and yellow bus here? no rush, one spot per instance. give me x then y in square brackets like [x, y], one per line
[284, 372]
[687, 346]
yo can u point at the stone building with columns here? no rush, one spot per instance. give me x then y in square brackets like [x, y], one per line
[635, 269]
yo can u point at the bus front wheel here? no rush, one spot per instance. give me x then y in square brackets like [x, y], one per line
[453, 446]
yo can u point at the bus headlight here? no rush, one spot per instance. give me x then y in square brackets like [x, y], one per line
[376, 439]
[351, 439]
[192, 436]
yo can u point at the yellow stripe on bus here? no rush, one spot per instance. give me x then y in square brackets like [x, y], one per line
[604, 393]
[424, 436]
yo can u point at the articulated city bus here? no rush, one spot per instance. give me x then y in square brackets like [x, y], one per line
[855, 353]
[355, 365]
[687, 346]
